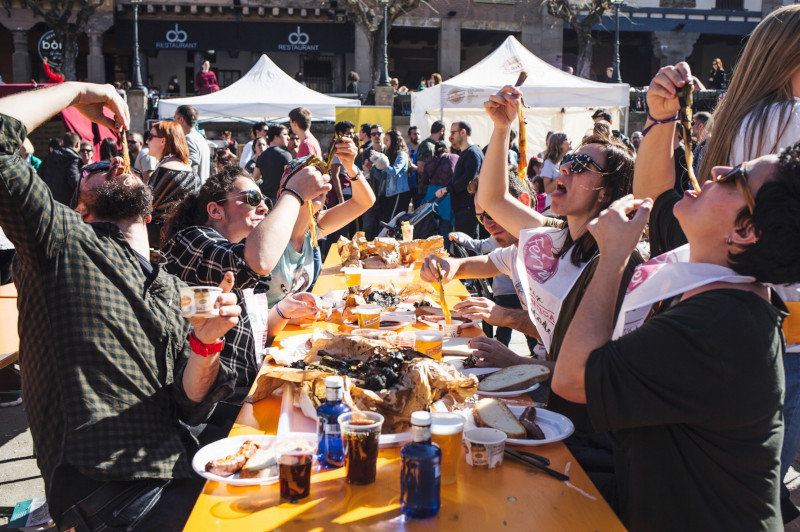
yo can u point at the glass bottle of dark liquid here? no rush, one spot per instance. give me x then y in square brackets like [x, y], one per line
[420, 477]
[329, 447]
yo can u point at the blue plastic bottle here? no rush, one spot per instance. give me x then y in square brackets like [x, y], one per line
[329, 447]
[420, 477]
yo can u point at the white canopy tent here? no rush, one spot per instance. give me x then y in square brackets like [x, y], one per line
[265, 93]
[558, 101]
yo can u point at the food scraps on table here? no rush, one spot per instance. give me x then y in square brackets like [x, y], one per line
[383, 253]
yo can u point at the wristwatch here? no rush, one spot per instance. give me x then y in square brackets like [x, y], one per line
[199, 348]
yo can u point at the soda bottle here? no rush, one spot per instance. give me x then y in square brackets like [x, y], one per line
[329, 447]
[420, 477]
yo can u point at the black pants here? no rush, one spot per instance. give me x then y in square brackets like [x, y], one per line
[465, 220]
[391, 206]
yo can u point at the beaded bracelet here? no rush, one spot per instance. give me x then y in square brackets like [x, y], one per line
[657, 122]
[294, 193]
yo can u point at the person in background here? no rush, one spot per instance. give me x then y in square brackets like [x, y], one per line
[352, 83]
[534, 167]
[609, 75]
[108, 149]
[61, 170]
[222, 158]
[299, 78]
[26, 152]
[172, 179]
[542, 198]
[425, 152]
[602, 114]
[86, 151]
[271, 164]
[53, 75]
[438, 171]
[700, 132]
[717, 79]
[413, 146]
[294, 144]
[142, 160]
[300, 122]
[230, 143]
[259, 145]
[435, 79]
[259, 129]
[199, 152]
[391, 176]
[636, 139]
[467, 168]
[205, 82]
[558, 145]
[369, 219]
[173, 87]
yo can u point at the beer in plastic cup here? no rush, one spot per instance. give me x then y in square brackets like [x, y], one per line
[352, 277]
[429, 343]
[369, 316]
[446, 432]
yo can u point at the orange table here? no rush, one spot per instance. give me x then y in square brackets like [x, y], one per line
[513, 497]
[9, 337]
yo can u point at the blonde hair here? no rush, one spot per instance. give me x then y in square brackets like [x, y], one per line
[719, 63]
[761, 79]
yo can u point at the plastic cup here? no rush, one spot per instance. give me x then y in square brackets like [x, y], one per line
[352, 277]
[376, 334]
[295, 457]
[408, 232]
[429, 343]
[361, 433]
[369, 316]
[200, 301]
[452, 329]
[446, 431]
[406, 339]
[484, 447]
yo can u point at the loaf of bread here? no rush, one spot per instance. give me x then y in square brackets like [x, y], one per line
[495, 414]
[261, 465]
[514, 378]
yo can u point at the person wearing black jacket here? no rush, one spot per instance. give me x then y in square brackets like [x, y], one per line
[467, 169]
[716, 79]
[61, 170]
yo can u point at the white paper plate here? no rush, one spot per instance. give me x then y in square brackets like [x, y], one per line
[436, 323]
[221, 449]
[296, 341]
[554, 426]
[478, 371]
[484, 371]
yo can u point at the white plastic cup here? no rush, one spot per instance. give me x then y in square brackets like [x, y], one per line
[452, 329]
[200, 301]
[484, 447]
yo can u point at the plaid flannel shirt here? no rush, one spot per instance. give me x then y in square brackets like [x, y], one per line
[102, 346]
[200, 256]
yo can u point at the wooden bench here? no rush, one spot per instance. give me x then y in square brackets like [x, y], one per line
[8, 359]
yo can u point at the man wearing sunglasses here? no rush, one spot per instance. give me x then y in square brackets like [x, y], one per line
[695, 392]
[110, 367]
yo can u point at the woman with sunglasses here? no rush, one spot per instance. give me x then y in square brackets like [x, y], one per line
[694, 393]
[299, 266]
[228, 226]
[555, 258]
[173, 178]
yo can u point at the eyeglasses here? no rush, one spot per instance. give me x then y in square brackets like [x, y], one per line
[376, 134]
[739, 175]
[483, 216]
[86, 150]
[252, 198]
[580, 163]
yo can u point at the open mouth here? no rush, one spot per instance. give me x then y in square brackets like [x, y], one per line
[560, 186]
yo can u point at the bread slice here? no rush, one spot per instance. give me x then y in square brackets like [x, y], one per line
[514, 378]
[495, 414]
[260, 465]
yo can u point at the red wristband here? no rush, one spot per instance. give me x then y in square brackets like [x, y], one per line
[199, 348]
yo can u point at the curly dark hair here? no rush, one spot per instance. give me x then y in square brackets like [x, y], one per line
[192, 210]
[398, 144]
[775, 257]
[617, 182]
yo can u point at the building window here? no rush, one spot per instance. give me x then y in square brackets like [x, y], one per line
[736, 5]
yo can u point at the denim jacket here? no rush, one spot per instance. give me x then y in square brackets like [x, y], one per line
[394, 179]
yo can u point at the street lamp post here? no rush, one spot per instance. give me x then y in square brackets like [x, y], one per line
[137, 68]
[616, 76]
[383, 79]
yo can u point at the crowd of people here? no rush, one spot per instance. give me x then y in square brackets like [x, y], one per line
[683, 389]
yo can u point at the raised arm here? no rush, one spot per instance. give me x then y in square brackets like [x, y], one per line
[493, 193]
[654, 173]
[363, 197]
[479, 267]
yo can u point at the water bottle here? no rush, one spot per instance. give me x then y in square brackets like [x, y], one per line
[329, 447]
[420, 477]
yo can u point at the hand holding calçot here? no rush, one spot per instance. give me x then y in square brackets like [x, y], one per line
[430, 273]
[91, 100]
[502, 107]
[615, 234]
[662, 94]
[310, 183]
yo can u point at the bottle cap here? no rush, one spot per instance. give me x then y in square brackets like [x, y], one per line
[421, 419]
[334, 382]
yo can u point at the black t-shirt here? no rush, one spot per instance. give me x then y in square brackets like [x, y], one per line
[467, 169]
[694, 397]
[271, 163]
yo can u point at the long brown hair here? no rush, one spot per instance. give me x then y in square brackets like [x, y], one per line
[554, 151]
[397, 145]
[175, 140]
[761, 79]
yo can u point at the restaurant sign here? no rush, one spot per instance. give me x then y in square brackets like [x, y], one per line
[50, 48]
[176, 39]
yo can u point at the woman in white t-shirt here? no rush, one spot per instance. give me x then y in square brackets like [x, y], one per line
[558, 145]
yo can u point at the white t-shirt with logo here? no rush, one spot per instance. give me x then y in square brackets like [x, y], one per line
[504, 259]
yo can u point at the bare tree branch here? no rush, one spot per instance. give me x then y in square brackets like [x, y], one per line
[571, 13]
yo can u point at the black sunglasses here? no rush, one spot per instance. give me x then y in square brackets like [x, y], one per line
[739, 176]
[483, 216]
[86, 150]
[252, 198]
[580, 163]
[376, 133]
